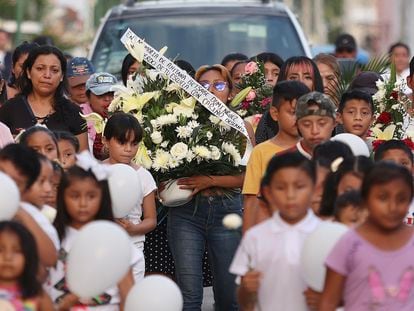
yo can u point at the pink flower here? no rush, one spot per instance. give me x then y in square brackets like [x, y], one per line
[266, 101]
[251, 96]
[245, 105]
[251, 68]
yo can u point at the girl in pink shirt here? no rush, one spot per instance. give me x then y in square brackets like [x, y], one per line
[372, 266]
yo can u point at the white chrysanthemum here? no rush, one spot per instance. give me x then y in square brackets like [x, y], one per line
[209, 135]
[156, 137]
[215, 153]
[172, 87]
[241, 112]
[184, 131]
[190, 156]
[230, 149]
[152, 74]
[202, 152]
[161, 161]
[194, 116]
[184, 111]
[179, 150]
[214, 119]
[224, 127]
[154, 123]
[380, 84]
[193, 124]
[166, 119]
[396, 106]
[174, 162]
[139, 117]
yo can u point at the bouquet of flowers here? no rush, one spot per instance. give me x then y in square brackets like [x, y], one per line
[259, 94]
[181, 138]
[392, 118]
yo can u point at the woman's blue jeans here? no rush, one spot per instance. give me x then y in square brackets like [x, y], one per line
[190, 230]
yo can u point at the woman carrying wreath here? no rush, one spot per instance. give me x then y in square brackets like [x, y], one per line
[198, 223]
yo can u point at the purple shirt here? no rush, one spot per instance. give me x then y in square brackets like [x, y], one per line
[375, 279]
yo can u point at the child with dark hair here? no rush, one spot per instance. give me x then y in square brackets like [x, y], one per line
[49, 210]
[399, 54]
[398, 152]
[68, 146]
[19, 55]
[230, 59]
[285, 95]
[23, 165]
[42, 140]
[356, 113]
[129, 66]
[267, 261]
[299, 68]
[121, 137]
[236, 73]
[348, 209]
[395, 151]
[272, 64]
[82, 198]
[371, 266]
[345, 176]
[19, 284]
[323, 157]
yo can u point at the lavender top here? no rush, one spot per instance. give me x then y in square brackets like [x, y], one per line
[375, 279]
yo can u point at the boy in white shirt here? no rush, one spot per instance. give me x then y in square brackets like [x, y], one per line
[268, 258]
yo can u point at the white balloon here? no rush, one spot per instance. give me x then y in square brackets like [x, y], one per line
[316, 249]
[125, 189]
[9, 197]
[98, 259]
[356, 143]
[154, 293]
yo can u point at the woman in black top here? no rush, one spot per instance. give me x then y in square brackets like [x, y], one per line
[42, 99]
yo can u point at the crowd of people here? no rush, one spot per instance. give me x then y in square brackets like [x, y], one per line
[296, 179]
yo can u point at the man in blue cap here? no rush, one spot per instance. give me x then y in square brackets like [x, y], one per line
[79, 69]
[100, 95]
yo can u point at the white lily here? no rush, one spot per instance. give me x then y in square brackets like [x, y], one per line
[163, 50]
[136, 102]
[97, 121]
[386, 134]
[142, 156]
[137, 50]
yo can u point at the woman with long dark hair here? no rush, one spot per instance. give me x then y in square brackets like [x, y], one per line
[42, 99]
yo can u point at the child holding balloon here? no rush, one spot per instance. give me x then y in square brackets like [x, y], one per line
[371, 267]
[268, 258]
[83, 197]
[121, 136]
[23, 165]
[20, 288]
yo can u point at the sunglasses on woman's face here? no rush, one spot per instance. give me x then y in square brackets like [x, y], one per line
[218, 86]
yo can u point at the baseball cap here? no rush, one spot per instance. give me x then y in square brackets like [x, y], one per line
[101, 83]
[326, 108]
[79, 70]
[366, 81]
[345, 41]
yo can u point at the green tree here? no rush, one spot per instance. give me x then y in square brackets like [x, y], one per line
[334, 10]
[33, 9]
[101, 7]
